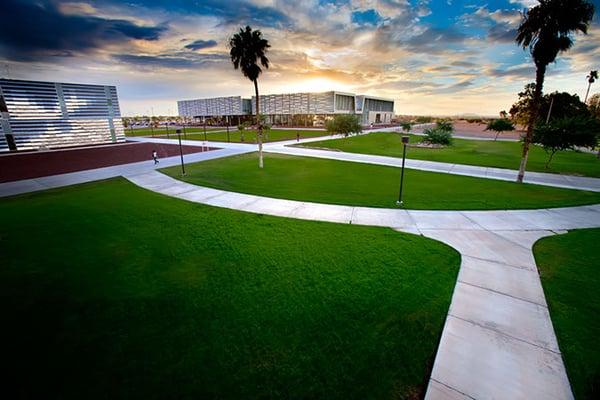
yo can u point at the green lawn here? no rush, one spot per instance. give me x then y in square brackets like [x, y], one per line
[111, 291]
[569, 267]
[275, 135]
[340, 182]
[472, 152]
[163, 131]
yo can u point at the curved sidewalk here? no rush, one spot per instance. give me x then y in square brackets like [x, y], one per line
[498, 340]
[537, 178]
[284, 147]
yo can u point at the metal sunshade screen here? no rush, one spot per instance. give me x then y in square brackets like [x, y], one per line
[50, 115]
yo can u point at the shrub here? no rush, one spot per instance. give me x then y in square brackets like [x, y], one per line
[406, 126]
[438, 136]
[343, 124]
[445, 125]
[423, 119]
[499, 126]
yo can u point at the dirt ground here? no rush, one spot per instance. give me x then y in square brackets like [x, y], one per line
[464, 128]
[26, 165]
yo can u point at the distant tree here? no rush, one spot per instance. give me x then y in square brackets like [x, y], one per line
[519, 112]
[503, 114]
[247, 50]
[594, 105]
[499, 126]
[267, 130]
[592, 76]
[242, 127]
[406, 126]
[567, 133]
[445, 125]
[266, 126]
[547, 30]
[343, 124]
[561, 104]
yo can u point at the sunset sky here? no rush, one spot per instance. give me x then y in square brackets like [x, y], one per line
[433, 57]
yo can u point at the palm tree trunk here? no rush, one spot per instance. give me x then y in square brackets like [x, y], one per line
[258, 127]
[587, 92]
[540, 71]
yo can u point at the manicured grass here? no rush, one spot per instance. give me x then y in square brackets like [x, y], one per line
[110, 291]
[163, 131]
[569, 267]
[471, 152]
[275, 135]
[340, 182]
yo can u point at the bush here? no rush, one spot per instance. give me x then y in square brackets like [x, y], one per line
[438, 136]
[423, 119]
[406, 126]
[445, 125]
[343, 124]
[499, 126]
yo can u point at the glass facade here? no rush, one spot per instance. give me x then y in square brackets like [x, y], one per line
[344, 102]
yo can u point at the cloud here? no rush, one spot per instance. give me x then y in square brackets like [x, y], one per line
[38, 30]
[518, 72]
[201, 44]
[502, 33]
[229, 12]
[435, 40]
[465, 64]
[181, 61]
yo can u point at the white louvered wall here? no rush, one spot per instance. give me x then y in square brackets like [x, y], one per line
[48, 114]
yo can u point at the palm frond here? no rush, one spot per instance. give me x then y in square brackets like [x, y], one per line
[247, 49]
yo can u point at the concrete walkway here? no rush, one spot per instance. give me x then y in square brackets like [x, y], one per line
[498, 340]
[283, 147]
[537, 178]
[74, 178]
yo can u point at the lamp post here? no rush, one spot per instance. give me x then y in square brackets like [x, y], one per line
[227, 119]
[180, 152]
[404, 143]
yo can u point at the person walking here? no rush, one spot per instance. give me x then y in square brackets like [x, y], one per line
[155, 157]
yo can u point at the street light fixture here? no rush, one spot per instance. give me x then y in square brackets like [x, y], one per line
[180, 151]
[404, 143]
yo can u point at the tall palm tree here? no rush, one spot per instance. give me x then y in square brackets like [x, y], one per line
[591, 79]
[547, 30]
[248, 50]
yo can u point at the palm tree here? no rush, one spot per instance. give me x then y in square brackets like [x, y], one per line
[591, 79]
[248, 49]
[547, 30]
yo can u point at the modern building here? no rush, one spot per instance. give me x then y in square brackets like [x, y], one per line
[39, 115]
[233, 108]
[292, 109]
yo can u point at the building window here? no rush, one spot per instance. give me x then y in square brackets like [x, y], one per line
[344, 102]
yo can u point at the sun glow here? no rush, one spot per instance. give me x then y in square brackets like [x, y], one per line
[314, 85]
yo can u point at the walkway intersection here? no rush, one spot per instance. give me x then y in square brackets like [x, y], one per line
[498, 340]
